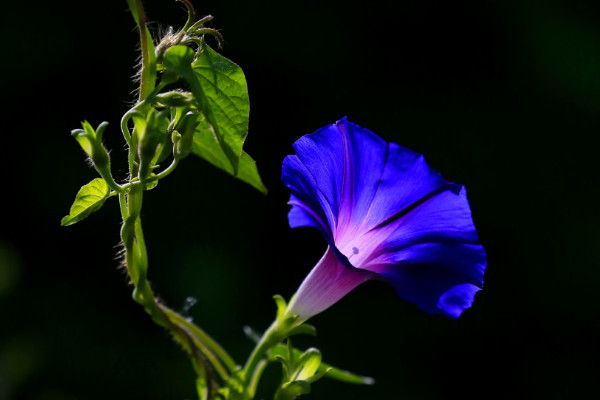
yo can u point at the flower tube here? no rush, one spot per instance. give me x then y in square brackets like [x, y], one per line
[385, 215]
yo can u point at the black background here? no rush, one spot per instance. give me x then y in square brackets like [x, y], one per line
[502, 96]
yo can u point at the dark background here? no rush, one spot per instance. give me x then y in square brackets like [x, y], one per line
[502, 96]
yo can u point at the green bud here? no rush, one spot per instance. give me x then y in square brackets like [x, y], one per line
[151, 134]
[90, 141]
[186, 128]
[169, 77]
[99, 154]
[175, 98]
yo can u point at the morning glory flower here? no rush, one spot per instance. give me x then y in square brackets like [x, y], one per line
[386, 215]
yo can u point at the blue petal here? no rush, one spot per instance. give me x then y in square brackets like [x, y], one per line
[345, 162]
[432, 255]
[406, 179]
[309, 206]
[434, 274]
[362, 179]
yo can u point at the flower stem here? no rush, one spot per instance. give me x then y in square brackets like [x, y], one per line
[272, 336]
[148, 72]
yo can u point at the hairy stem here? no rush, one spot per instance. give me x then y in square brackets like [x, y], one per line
[148, 73]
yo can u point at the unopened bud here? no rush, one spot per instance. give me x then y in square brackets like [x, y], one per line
[90, 141]
[186, 128]
[175, 98]
[151, 136]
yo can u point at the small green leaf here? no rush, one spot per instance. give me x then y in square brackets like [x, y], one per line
[89, 199]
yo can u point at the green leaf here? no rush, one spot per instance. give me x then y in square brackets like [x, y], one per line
[226, 91]
[221, 94]
[207, 147]
[89, 199]
[331, 372]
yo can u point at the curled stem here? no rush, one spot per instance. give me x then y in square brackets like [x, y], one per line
[206, 354]
[191, 13]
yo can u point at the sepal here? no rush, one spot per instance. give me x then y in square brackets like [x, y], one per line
[327, 370]
[304, 329]
[281, 306]
[298, 372]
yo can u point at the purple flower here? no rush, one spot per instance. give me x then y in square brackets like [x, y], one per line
[386, 215]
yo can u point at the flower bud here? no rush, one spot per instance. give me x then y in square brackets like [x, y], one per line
[91, 142]
[151, 134]
[175, 98]
[186, 128]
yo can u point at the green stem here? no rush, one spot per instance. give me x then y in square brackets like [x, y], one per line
[137, 264]
[135, 181]
[123, 204]
[125, 128]
[148, 74]
[270, 338]
[107, 176]
[207, 346]
[201, 347]
[204, 337]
